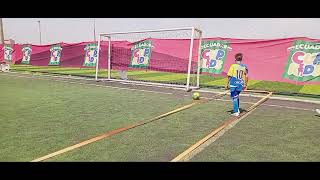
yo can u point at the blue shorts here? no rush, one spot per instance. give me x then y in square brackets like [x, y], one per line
[235, 94]
[237, 88]
[236, 84]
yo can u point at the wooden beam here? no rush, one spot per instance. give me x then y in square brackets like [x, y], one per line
[119, 130]
[217, 130]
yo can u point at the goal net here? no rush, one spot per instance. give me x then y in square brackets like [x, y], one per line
[168, 57]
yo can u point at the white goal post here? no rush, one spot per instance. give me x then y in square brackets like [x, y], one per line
[166, 57]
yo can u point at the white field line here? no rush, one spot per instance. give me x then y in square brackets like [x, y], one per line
[272, 105]
[94, 85]
[89, 79]
[277, 98]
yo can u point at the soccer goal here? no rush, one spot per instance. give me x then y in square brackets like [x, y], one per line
[166, 57]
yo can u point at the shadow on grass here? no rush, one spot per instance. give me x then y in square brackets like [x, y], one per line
[241, 110]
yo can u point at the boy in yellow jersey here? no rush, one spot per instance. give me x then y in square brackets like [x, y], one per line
[237, 81]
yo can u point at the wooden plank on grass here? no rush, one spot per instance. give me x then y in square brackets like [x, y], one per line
[217, 130]
[119, 130]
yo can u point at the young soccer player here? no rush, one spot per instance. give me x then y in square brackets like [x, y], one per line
[237, 81]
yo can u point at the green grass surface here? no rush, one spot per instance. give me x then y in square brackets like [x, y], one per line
[205, 80]
[162, 140]
[277, 86]
[42, 116]
[268, 134]
[310, 89]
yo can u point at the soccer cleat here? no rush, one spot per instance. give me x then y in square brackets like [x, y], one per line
[318, 111]
[236, 114]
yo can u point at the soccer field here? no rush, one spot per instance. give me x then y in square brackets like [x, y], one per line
[41, 115]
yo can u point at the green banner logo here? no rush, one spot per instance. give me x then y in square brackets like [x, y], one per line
[55, 55]
[303, 62]
[141, 54]
[91, 55]
[8, 50]
[26, 52]
[213, 56]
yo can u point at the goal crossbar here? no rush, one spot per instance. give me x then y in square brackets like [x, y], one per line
[153, 30]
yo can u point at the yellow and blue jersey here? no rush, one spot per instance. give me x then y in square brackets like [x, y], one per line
[237, 72]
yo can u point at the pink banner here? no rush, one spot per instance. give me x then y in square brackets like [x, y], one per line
[285, 60]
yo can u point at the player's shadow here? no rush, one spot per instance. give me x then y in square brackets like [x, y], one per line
[317, 115]
[241, 110]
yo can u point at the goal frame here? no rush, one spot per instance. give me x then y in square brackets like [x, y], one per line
[187, 86]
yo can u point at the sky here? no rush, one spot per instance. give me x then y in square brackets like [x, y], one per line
[73, 30]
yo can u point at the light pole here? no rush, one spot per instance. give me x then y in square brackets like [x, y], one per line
[94, 29]
[40, 32]
[2, 35]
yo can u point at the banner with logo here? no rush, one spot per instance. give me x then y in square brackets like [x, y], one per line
[288, 60]
[303, 62]
[8, 51]
[91, 55]
[141, 54]
[213, 56]
[55, 55]
[26, 54]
